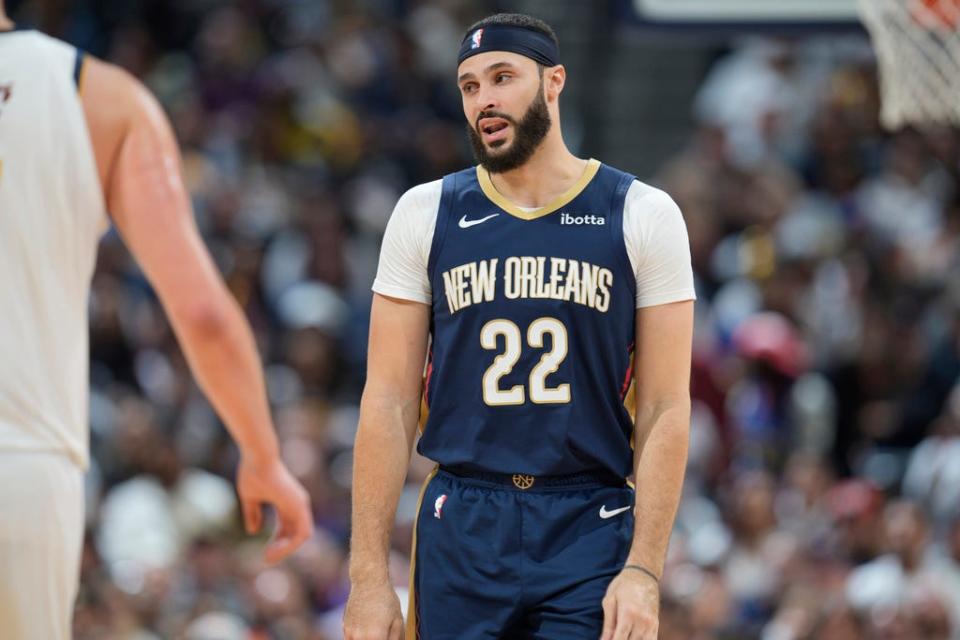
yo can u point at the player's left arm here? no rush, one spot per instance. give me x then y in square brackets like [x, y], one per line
[663, 351]
[662, 365]
[657, 242]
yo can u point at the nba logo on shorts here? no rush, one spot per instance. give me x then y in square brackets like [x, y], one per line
[438, 506]
[477, 35]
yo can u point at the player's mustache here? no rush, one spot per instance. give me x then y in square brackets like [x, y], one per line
[492, 114]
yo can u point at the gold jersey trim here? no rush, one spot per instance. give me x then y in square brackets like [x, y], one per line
[486, 184]
[410, 630]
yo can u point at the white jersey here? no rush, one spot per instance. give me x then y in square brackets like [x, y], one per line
[52, 215]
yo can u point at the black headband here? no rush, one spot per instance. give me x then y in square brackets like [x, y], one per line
[502, 37]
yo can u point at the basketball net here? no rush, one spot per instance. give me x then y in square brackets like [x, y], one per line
[917, 43]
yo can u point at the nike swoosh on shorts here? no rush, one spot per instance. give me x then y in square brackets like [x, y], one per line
[609, 514]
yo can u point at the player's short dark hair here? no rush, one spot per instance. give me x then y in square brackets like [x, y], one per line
[516, 20]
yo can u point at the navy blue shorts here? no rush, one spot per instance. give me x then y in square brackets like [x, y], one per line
[492, 560]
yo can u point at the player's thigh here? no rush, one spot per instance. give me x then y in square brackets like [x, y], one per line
[466, 561]
[41, 499]
[576, 614]
[582, 549]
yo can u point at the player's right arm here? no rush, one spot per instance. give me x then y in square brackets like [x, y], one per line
[389, 412]
[138, 162]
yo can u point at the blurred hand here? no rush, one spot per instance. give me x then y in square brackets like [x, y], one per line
[631, 608]
[272, 484]
[373, 613]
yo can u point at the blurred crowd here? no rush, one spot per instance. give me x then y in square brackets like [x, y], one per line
[823, 489]
[822, 498]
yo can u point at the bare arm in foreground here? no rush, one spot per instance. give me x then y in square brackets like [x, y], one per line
[139, 166]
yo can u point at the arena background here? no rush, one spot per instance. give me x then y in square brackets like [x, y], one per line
[822, 498]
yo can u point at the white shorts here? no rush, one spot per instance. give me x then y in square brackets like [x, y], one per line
[41, 533]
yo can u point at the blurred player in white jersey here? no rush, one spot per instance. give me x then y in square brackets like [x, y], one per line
[79, 138]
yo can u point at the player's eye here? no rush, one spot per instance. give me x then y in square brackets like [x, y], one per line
[500, 77]
[469, 87]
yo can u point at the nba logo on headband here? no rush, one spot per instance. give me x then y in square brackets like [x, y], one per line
[475, 38]
[530, 43]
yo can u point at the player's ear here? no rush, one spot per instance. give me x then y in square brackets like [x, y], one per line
[554, 78]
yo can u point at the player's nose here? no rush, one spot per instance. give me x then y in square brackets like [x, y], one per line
[484, 100]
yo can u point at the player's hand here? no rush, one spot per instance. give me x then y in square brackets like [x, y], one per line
[272, 484]
[373, 613]
[631, 608]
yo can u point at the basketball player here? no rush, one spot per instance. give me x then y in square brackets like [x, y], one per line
[546, 284]
[79, 137]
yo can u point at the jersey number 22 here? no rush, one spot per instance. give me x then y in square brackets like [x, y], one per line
[503, 364]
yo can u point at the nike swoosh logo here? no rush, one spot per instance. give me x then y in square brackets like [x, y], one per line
[609, 514]
[465, 224]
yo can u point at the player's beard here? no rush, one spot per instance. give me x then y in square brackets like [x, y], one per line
[528, 133]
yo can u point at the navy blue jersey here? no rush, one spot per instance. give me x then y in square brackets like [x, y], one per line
[532, 329]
